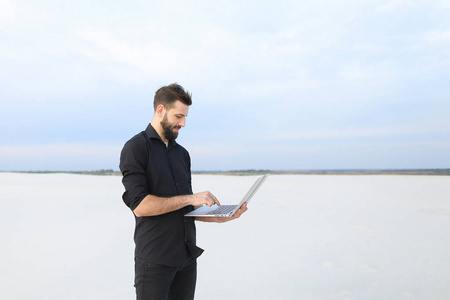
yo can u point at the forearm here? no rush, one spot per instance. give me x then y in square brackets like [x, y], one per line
[153, 205]
[212, 219]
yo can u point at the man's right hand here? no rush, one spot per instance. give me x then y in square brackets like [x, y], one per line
[204, 198]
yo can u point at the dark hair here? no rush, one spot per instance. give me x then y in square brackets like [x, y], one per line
[167, 95]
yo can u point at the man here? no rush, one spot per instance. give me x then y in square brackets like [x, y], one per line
[157, 179]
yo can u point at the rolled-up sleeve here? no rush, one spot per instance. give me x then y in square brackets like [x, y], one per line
[133, 161]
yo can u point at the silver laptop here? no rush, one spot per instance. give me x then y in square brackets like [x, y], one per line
[227, 210]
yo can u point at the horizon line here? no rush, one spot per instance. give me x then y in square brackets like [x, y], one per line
[406, 171]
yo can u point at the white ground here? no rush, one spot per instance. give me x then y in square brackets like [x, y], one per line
[304, 237]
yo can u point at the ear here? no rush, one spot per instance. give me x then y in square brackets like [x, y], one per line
[160, 109]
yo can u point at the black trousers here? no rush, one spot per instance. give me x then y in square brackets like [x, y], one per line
[158, 282]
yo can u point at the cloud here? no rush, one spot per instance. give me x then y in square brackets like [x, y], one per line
[150, 51]
[7, 12]
[437, 37]
[19, 14]
[371, 76]
[393, 5]
[367, 133]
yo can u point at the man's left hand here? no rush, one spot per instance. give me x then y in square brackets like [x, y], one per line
[236, 215]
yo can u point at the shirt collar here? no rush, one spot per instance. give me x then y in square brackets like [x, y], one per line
[152, 134]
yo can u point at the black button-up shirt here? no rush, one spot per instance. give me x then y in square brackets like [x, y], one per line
[149, 167]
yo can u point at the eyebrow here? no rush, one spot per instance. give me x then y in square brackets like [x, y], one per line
[183, 115]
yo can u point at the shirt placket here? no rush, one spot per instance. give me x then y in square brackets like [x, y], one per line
[172, 170]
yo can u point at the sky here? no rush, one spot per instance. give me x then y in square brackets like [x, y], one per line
[285, 85]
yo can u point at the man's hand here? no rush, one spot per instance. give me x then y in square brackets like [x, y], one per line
[204, 198]
[237, 214]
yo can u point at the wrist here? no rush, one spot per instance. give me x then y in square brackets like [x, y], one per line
[186, 200]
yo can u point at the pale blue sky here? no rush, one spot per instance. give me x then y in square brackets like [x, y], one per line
[276, 85]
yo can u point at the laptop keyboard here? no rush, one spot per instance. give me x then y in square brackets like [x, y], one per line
[223, 209]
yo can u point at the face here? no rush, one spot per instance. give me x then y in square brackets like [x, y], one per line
[173, 119]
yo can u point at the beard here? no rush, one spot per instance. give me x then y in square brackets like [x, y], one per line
[168, 129]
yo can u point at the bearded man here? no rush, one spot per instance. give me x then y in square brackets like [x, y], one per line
[158, 189]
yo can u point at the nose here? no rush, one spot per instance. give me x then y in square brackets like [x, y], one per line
[182, 122]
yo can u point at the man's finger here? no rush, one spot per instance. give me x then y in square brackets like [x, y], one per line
[215, 200]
